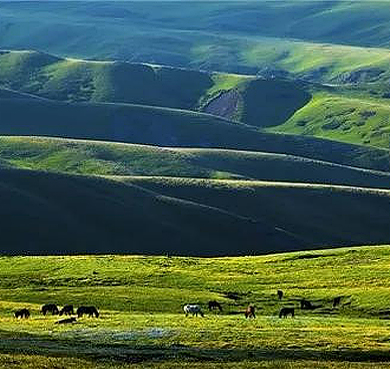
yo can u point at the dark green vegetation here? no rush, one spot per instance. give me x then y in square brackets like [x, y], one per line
[76, 214]
[62, 214]
[142, 324]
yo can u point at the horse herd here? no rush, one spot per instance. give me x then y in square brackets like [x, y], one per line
[67, 310]
[249, 312]
[192, 309]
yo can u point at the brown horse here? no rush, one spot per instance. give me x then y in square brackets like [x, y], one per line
[250, 312]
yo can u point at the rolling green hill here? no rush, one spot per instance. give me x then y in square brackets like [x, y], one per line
[321, 215]
[72, 80]
[170, 127]
[104, 158]
[318, 40]
[77, 80]
[77, 214]
[61, 214]
[350, 114]
[340, 117]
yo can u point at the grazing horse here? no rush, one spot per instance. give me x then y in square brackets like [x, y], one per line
[22, 313]
[286, 311]
[193, 309]
[214, 305]
[88, 310]
[67, 310]
[336, 301]
[66, 321]
[250, 312]
[52, 308]
[306, 305]
[280, 294]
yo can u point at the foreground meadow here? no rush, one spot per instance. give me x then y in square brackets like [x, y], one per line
[142, 324]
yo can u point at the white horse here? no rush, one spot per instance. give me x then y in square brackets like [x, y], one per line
[193, 309]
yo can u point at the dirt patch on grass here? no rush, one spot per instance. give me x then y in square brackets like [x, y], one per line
[224, 105]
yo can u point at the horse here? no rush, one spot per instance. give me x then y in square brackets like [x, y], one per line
[336, 301]
[67, 310]
[52, 308]
[306, 305]
[280, 294]
[193, 309]
[250, 312]
[286, 311]
[89, 310]
[22, 313]
[66, 321]
[214, 305]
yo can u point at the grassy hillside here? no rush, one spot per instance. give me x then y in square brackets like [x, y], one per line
[339, 117]
[104, 158]
[76, 214]
[142, 324]
[335, 40]
[92, 215]
[285, 106]
[77, 80]
[321, 215]
[168, 127]
[85, 81]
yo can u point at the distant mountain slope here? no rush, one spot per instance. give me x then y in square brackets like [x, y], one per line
[319, 214]
[169, 127]
[331, 39]
[62, 214]
[104, 158]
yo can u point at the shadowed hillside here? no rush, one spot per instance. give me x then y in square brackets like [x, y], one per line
[63, 214]
[58, 214]
[320, 215]
[168, 127]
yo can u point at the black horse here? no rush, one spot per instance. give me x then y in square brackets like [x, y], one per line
[67, 310]
[87, 310]
[213, 305]
[22, 313]
[306, 305]
[336, 301]
[280, 294]
[284, 312]
[51, 308]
